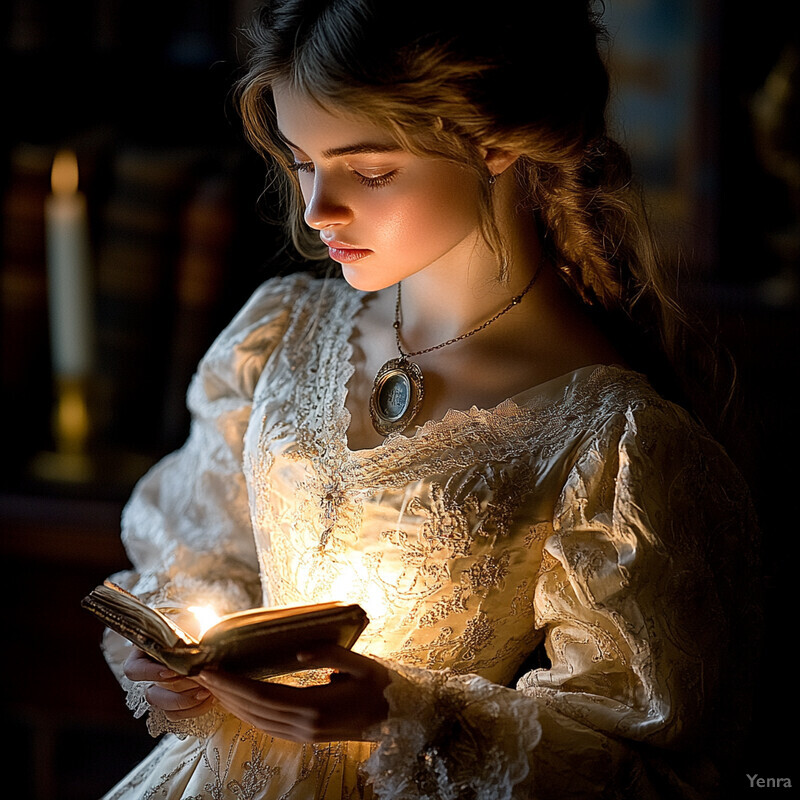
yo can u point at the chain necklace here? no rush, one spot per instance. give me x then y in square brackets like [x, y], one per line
[399, 386]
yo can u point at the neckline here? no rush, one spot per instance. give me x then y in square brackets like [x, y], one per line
[549, 391]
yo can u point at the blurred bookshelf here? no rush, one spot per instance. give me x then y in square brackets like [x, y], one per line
[140, 92]
[706, 99]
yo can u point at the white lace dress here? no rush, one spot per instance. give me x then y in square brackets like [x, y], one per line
[586, 514]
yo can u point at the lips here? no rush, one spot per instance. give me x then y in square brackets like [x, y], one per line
[345, 253]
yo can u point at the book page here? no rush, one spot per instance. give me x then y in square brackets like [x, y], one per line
[119, 603]
[253, 616]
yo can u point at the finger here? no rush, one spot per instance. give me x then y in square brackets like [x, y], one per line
[284, 711]
[295, 728]
[167, 700]
[140, 667]
[204, 707]
[224, 685]
[321, 713]
[282, 726]
[340, 658]
[179, 684]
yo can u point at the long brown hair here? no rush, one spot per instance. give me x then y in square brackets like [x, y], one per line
[447, 81]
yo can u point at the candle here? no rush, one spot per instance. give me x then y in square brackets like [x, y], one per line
[68, 270]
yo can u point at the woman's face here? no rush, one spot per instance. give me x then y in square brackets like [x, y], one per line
[384, 212]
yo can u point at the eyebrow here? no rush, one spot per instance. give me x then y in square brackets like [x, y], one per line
[351, 149]
[359, 149]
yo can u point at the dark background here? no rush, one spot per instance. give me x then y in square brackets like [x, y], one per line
[140, 90]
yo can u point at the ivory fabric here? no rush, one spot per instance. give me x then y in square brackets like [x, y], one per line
[586, 515]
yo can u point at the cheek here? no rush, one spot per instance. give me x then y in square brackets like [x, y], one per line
[451, 208]
[454, 209]
[401, 220]
[438, 213]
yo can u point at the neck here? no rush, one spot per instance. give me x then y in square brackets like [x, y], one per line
[464, 289]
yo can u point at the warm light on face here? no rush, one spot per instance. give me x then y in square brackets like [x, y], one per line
[384, 212]
[64, 177]
[206, 617]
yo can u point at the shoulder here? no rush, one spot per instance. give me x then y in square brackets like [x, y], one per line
[642, 443]
[648, 472]
[234, 362]
[616, 397]
[599, 401]
[269, 305]
[623, 426]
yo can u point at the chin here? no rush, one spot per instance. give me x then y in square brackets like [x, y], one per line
[372, 277]
[366, 280]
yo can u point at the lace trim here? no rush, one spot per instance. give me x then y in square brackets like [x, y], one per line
[157, 722]
[540, 428]
[318, 352]
[451, 737]
[200, 727]
[316, 360]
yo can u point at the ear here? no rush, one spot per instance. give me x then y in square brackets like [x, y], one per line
[499, 160]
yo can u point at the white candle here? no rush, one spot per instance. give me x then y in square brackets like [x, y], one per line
[68, 270]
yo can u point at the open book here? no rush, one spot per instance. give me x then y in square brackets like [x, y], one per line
[259, 642]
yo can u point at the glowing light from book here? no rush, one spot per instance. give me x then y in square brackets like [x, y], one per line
[206, 617]
[355, 588]
[69, 270]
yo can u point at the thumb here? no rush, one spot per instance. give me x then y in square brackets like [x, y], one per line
[336, 657]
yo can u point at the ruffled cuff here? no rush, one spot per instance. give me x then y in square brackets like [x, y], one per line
[157, 722]
[451, 736]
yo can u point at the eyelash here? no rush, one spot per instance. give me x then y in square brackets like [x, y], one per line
[378, 182]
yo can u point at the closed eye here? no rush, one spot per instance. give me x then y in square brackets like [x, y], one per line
[301, 166]
[376, 181]
[372, 181]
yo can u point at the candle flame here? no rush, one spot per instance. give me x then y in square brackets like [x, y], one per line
[71, 416]
[206, 617]
[64, 177]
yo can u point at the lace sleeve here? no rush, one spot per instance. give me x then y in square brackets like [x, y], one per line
[633, 597]
[637, 597]
[186, 528]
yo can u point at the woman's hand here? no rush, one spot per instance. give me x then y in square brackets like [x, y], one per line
[341, 710]
[178, 697]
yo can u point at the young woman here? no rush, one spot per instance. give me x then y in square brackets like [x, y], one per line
[457, 435]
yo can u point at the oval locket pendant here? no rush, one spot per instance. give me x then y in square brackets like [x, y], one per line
[397, 393]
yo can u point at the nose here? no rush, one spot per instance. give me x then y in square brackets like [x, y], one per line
[325, 208]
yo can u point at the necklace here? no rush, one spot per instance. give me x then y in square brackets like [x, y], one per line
[399, 386]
